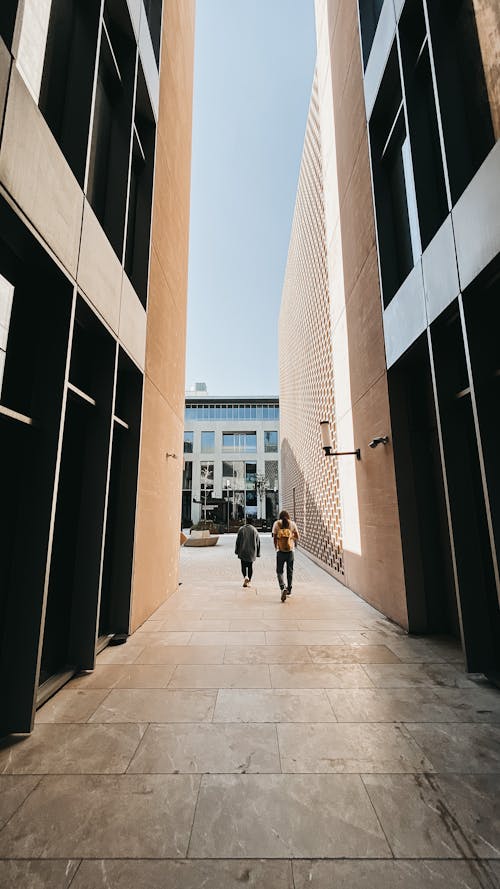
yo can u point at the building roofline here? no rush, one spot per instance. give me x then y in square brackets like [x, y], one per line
[232, 399]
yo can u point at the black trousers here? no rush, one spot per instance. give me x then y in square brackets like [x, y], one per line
[246, 568]
[283, 559]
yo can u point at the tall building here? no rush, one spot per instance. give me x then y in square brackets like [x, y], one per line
[95, 103]
[231, 459]
[409, 117]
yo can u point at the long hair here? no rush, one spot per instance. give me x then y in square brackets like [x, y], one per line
[284, 519]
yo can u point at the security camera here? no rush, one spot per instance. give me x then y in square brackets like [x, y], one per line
[383, 439]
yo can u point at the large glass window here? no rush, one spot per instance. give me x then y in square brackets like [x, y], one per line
[422, 121]
[467, 78]
[232, 412]
[188, 442]
[369, 14]
[153, 15]
[207, 477]
[140, 190]
[233, 475]
[207, 442]
[395, 202]
[67, 81]
[271, 442]
[250, 475]
[110, 145]
[8, 9]
[239, 441]
[187, 476]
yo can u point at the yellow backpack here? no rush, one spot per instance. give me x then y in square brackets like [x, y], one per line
[285, 538]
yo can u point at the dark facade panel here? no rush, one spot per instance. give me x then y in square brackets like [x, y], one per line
[380, 49]
[440, 322]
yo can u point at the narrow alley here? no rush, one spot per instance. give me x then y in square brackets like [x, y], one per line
[237, 740]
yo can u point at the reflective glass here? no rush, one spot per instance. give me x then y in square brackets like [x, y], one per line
[207, 441]
[270, 441]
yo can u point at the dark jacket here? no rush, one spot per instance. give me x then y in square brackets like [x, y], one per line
[247, 543]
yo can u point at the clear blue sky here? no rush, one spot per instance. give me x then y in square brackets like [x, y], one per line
[254, 64]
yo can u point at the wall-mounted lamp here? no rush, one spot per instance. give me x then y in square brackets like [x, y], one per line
[327, 443]
[167, 455]
[382, 439]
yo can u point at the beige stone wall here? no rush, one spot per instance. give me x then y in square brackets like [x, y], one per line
[160, 478]
[488, 29]
[309, 481]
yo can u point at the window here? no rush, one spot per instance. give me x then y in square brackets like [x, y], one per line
[6, 297]
[466, 73]
[68, 77]
[207, 442]
[239, 441]
[207, 477]
[232, 412]
[187, 476]
[369, 14]
[153, 15]
[250, 475]
[140, 191]
[271, 442]
[395, 203]
[188, 442]
[109, 152]
[8, 9]
[422, 121]
[233, 475]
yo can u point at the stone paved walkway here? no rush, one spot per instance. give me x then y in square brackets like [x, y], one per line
[235, 741]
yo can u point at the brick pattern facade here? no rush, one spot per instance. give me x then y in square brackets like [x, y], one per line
[310, 482]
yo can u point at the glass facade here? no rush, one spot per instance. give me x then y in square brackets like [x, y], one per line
[232, 412]
[239, 441]
[207, 442]
[188, 442]
[207, 477]
[271, 442]
[187, 476]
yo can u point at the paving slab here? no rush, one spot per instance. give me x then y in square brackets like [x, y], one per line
[198, 749]
[184, 875]
[276, 816]
[117, 816]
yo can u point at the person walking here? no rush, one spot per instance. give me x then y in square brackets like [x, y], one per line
[247, 549]
[285, 533]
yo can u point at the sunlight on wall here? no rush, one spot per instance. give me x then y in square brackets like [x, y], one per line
[30, 40]
[351, 533]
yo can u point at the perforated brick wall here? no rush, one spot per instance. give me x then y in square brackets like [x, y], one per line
[310, 483]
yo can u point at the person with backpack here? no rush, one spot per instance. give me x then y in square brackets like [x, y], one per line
[285, 533]
[247, 549]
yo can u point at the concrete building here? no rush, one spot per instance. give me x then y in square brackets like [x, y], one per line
[231, 455]
[406, 109]
[95, 103]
